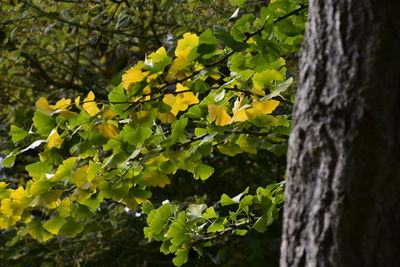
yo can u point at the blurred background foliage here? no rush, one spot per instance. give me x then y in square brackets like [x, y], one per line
[65, 48]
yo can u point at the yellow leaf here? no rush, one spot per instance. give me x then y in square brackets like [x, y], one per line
[187, 98]
[258, 91]
[182, 51]
[43, 106]
[61, 104]
[159, 55]
[77, 102]
[241, 115]
[152, 77]
[54, 139]
[108, 130]
[108, 114]
[169, 99]
[20, 200]
[189, 40]
[156, 178]
[166, 117]
[90, 105]
[263, 107]
[250, 41]
[181, 61]
[5, 207]
[132, 75]
[147, 90]
[219, 114]
[181, 101]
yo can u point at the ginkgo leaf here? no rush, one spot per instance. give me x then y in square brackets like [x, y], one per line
[140, 116]
[54, 139]
[77, 101]
[159, 55]
[80, 175]
[61, 104]
[43, 106]
[54, 224]
[108, 130]
[258, 91]
[181, 101]
[156, 178]
[183, 50]
[189, 40]
[263, 107]
[166, 117]
[108, 114]
[241, 115]
[181, 61]
[90, 105]
[263, 79]
[132, 75]
[17, 134]
[187, 98]
[219, 114]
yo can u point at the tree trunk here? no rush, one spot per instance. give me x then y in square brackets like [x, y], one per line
[343, 187]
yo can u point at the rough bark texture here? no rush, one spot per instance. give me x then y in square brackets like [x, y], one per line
[343, 188]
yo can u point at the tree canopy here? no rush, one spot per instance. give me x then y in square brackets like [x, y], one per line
[171, 130]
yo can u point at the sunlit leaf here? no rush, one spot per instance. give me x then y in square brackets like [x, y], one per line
[89, 105]
[218, 114]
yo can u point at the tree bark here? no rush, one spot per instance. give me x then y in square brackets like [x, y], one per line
[343, 188]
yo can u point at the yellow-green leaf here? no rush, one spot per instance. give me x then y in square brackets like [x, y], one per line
[54, 139]
[54, 224]
[43, 106]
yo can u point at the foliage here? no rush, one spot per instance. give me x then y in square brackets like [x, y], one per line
[222, 92]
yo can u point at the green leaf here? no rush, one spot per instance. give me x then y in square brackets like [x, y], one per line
[38, 169]
[261, 224]
[65, 170]
[204, 171]
[226, 200]
[36, 230]
[17, 134]
[54, 224]
[40, 187]
[70, 228]
[264, 79]
[93, 203]
[135, 136]
[216, 226]
[118, 95]
[178, 130]
[224, 36]
[94, 167]
[207, 42]
[210, 213]
[43, 123]
[181, 256]
[177, 233]
[139, 195]
[237, 2]
[8, 161]
[147, 207]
